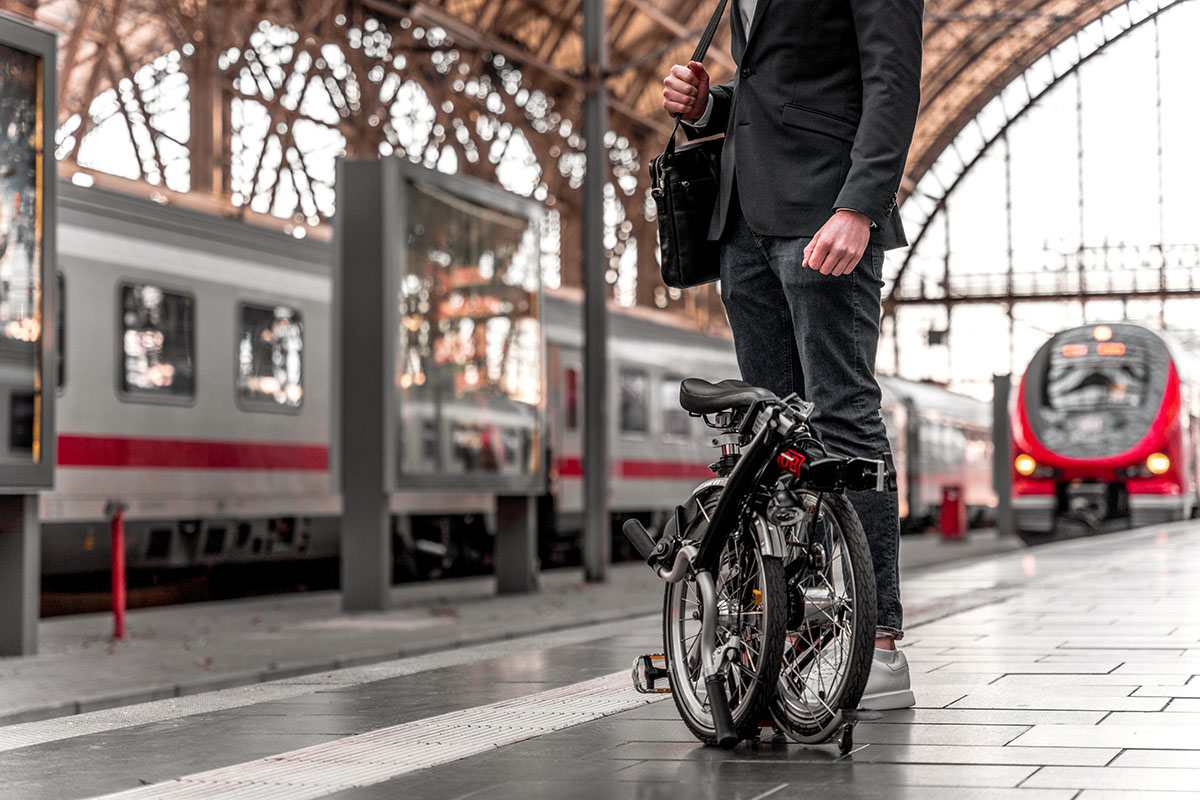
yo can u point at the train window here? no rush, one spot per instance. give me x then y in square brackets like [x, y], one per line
[158, 344]
[635, 401]
[677, 423]
[269, 372]
[22, 422]
[571, 399]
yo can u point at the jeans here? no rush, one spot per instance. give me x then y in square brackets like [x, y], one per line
[796, 330]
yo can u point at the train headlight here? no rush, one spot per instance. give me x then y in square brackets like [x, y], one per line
[1025, 465]
[1158, 463]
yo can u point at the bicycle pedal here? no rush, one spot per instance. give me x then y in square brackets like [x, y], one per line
[647, 674]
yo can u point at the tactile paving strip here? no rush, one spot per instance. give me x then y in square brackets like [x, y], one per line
[27, 734]
[386, 753]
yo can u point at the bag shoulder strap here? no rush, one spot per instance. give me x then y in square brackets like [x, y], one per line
[709, 32]
[700, 52]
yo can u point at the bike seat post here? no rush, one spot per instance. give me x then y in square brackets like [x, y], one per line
[729, 441]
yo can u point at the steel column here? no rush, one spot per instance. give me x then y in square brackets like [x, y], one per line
[596, 526]
[20, 574]
[1002, 454]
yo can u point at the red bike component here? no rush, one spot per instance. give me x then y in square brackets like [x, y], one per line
[791, 461]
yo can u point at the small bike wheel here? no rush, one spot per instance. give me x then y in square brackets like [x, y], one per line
[831, 624]
[752, 606]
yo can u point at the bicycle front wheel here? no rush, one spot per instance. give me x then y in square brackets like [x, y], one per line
[831, 623]
[751, 606]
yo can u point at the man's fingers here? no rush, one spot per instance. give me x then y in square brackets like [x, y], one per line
[808, 248]
[676, 97]
[819, 254]
[685, 75]
[679, 87]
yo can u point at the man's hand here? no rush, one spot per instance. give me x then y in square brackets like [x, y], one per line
[685, 90]
[839, 245]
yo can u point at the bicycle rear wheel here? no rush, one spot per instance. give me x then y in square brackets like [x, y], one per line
[752, 605]
[831, 624]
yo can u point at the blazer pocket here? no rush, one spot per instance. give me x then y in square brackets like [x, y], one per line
[820, 122]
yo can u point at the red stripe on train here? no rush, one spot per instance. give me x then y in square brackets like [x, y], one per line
[130, 452]
[133, 453]
[572, 469]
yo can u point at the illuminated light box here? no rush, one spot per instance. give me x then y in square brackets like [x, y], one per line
[457, 265]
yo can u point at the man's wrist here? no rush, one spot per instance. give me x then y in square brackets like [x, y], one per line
[853, 212]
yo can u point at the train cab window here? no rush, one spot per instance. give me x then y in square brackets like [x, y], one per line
[635, 401]
[269, 374]
[571, 399]
[1096, 382]
[677, 423]
[158, 343]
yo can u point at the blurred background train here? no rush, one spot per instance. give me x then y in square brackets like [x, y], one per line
[194, 388]
[1105, 427]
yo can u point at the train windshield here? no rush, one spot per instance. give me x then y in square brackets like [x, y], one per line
[1096, 383]
[1096, 397]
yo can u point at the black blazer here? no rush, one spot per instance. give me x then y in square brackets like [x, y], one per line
[819, 115]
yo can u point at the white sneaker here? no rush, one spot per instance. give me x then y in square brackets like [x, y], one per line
[888, 686]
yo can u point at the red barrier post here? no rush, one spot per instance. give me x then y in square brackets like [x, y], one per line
[116, 514]
[953, 518]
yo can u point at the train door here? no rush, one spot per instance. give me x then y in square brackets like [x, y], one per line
[895, 419]
[566, 463]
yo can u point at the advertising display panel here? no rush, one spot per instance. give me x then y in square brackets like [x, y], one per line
[27, 179]
[469, 374]
[469, 340]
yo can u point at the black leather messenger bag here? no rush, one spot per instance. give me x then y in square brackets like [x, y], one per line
[684, 183]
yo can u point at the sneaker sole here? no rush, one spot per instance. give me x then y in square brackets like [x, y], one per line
[889, 701]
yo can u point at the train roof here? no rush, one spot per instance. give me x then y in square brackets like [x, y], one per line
[635, 338]
[933, 398]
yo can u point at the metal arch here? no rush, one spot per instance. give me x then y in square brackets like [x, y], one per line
[930, 204]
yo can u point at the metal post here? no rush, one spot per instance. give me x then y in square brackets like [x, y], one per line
[20, 574]
[363, 377]
[116, 514]
[596, 527]
[516, 555]
[1002, 454]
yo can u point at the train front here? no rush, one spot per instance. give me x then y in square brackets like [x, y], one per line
[1099, 440]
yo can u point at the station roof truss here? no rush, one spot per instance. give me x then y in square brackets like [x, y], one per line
[274, 88]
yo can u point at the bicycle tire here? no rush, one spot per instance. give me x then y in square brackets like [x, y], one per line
[750, 694]
[826, 724]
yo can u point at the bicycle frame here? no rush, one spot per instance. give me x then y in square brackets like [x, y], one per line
[779, 441]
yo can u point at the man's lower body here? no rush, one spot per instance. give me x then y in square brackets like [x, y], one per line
[796, 330]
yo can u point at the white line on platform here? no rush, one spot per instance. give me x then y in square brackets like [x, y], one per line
[28, 734]
[380, 755]
[769, 792]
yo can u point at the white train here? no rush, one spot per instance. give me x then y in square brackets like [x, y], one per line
[195, 390]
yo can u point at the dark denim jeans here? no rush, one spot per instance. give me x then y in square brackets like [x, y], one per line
[796, 330]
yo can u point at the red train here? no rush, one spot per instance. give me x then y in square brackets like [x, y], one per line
[1104, 432]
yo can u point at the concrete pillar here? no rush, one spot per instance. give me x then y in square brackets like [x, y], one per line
[516, 553]
[1002, 454]
[20, 574]
[364, 378]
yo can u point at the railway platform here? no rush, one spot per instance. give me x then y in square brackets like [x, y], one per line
[173, 651]
[1068, 671]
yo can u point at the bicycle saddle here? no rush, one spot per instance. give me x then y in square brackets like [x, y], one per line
[701, 397]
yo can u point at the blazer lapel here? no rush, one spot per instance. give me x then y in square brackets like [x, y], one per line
[756, 23]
